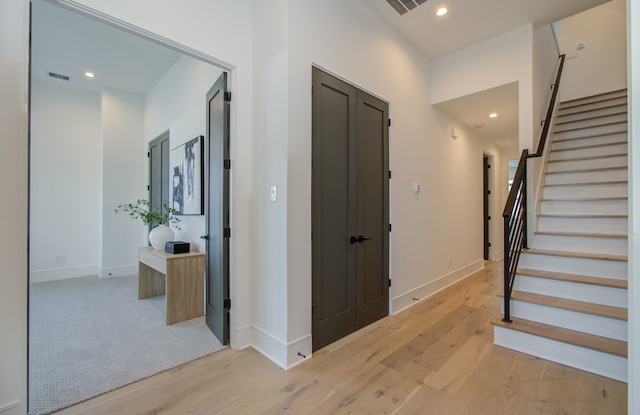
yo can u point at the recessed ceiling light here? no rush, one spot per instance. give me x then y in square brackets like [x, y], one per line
[89, 74]
[493, 115]
[442, 11]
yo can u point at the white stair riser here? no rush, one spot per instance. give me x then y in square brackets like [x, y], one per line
[615, 297]
[570, 265]
[588, 224]
[590, 132]
[590, 141]
[609, 110]
[620, 148]
[604, 364]
[590, 122]
[597, 176]
[590, 191]
[592, 103]
[568, 319]
[595, 207]
[587, 244]
[557, 166]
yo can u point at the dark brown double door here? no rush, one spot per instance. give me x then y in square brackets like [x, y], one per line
[350, 209]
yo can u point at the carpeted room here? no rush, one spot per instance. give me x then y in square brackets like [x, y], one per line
[88, 330]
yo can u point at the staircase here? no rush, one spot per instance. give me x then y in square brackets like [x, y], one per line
[569, 300]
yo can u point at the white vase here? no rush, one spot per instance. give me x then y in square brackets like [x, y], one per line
[160, 235]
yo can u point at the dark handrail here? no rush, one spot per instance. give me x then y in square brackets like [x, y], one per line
[515, 210]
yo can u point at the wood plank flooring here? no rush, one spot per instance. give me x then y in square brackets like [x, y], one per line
[434, 358]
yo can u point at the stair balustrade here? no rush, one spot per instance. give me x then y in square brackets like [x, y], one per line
[515, 211]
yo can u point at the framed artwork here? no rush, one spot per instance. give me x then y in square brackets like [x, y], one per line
[187, 170]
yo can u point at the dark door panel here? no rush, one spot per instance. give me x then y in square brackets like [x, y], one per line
[217, 210]
[349, 209]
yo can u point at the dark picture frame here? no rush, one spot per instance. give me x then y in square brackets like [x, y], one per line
[187, 173]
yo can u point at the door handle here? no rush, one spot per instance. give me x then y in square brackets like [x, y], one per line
[362, 239]
[353, 240]
[205, 237]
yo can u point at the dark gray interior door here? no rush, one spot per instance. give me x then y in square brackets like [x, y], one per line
[217, 210]
[485, 204]
[350, 210]
[159, 170]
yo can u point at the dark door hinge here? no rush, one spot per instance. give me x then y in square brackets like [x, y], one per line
[489, 244]
[227, 164]
[389, 122]
[489, 218]
[148, 154]
[227, 96]
[148, 187]
[488, 192]
[227, 304]
[227, 232]
[389, 227]
[389, 173]
[389, 282]
[488, 166]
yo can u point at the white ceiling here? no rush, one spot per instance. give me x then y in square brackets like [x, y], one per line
[70, 44]
[469, 22]
[472, 21]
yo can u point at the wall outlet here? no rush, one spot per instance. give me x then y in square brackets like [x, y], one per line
[60, 258]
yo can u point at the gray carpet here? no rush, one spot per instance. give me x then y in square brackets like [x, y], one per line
[89, 336]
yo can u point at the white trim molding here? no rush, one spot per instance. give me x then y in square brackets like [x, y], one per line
[413, 297]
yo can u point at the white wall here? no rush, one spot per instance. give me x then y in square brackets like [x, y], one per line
[504, 59]
[633, 36]
[271, 137]
[65, 191]
[347, 39]
[601, 65]
[178, 103]
[14, 29]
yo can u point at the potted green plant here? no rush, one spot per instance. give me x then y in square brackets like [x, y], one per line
[161, 219]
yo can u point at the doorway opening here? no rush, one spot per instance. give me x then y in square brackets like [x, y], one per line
[88, 154]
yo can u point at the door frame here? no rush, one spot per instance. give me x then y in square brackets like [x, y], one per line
[231, 69]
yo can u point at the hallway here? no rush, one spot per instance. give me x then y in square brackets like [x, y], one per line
[434, 358]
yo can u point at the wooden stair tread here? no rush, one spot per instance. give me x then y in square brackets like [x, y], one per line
[562, 140]
[585, 199]
[583, 234]
[576, 338]
[608, 95]
[580, 279]
[611, 114]
[612, 182]
[617, 313]
[606, 124]
[614, 143]
[585, 255]
[590, 157]
[581, 216]
[589, 170]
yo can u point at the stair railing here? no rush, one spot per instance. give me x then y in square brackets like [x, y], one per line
[515, 210]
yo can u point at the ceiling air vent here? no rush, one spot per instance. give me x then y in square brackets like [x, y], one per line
[59, 76]
[404, 6]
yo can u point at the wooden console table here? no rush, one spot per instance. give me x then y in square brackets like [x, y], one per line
[179, 276]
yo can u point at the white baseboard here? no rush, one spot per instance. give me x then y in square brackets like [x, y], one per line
[62, 273]
[298, 351]
[285, 355]
[242, 338]
[122, 271]
[11, 408]
[406, 300]
[270, 346]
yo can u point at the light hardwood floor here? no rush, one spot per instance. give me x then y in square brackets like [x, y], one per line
[435, 358]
